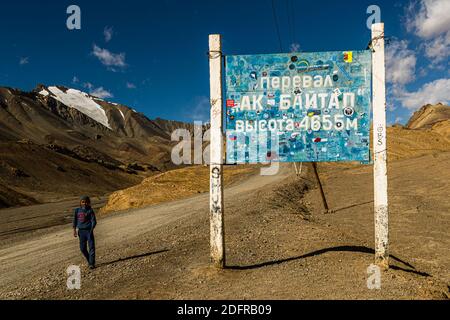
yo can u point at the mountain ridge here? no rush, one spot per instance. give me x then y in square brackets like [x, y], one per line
[76, 135]
[57, 142]
[428, 116]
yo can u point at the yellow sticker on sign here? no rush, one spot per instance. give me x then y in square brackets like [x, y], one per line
[348, 56]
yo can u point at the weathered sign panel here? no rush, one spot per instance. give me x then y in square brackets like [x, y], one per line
[298, 107]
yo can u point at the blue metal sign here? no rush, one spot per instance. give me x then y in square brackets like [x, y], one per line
[298, 107]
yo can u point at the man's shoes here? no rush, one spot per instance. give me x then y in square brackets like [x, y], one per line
[92, 267]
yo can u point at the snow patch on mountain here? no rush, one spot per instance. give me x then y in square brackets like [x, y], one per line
[80, 101]
[123, 116]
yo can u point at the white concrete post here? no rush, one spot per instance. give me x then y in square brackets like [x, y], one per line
[216, 153]
[380, 147]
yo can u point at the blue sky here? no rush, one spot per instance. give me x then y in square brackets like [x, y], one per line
[151, 55]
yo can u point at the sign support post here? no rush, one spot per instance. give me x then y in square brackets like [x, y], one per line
[216, 153]
[380, 148]
[243, 81]
[322, 193]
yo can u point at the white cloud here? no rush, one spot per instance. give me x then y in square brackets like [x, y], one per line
[24, 60]
[75, 79]
[391, 97]
[400, 63]
[88, 85]
[400, 70]
[131, 85]
[437, 50]
[146, 82]
[431, 19]
[108, 33]
[432, 92]
[423, 72]
[101, 93]
[108, 58]
[295, 47]
[200, 110]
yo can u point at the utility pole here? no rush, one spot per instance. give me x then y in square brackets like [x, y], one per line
[380, 148]
[216, 153]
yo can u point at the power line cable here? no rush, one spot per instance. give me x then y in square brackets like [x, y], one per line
[293, 20]
[276, 25]
[289, 15]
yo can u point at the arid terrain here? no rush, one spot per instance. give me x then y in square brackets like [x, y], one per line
[279, 242]
[277, 246]
[57, 143]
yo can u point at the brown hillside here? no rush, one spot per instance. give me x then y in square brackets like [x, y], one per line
[65, 152]
[403, 143]
[170, 186]
[428, 116]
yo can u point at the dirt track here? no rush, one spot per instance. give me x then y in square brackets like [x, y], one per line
[419, 208]
[27, 222]
[43, 252]
[272, 252]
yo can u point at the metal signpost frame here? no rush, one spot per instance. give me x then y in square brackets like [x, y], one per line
[349, 74]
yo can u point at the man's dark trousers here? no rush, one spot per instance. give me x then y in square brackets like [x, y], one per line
[87, 238]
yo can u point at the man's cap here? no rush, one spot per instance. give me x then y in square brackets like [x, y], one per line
[85, 198]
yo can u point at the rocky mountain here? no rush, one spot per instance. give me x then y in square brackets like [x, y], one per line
[433, 118]
[58, 142]
[428, 116]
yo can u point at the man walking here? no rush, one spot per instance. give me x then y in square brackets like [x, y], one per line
[84, 220]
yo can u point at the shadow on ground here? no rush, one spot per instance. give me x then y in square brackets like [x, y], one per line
[132, 257]
[359, 249]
